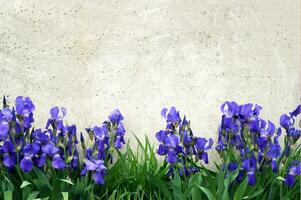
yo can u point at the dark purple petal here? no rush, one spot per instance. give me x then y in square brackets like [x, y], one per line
[8, 146]
[58, 162]
[120, 131]
[285, 121]
[98, 177]
[162, 150]
[6, 114]
[115, 116]
[293, 132]
[204, 157]
[118, 143]
[274, 151]
[172, 141]
[161, 136]
[271, 128]
[26, 164]
[246, 164]
[75, 162]
[262, 142]
[246, 111]
[254, 125]
[289, 179]
[84, 171]
[229, 109]
[171, 157]
[27, 121]
[100, 132]
[251, 178]
[232, 166]
[200, 143]
[173, 116]
[91, 166]
[50, 149]
[274, 165]
[163, 112]
[256, 110]
[24, 106]
[4, 127]
[9, 160]
[54, 112]
[42, 160]
[297, 111]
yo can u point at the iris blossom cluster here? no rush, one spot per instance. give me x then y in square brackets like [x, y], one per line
[177, 143]
[252, 142]
[22, 145]
[287, 122]
[105, 139]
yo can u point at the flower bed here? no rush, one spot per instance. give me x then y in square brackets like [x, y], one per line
[57, 162]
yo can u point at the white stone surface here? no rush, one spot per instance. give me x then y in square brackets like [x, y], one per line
[139, 56]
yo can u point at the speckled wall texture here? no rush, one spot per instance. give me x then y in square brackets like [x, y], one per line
[139, 56]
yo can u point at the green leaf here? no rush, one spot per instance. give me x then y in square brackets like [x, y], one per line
[43, 187]
[280, 178]
[195, 192]
[33, 195]
[209, 195]
[177, 186]
[24, 184]
[8, 195]
[42, 177]
[255, 194]
[65, 195]
[113, 195]
[161, 185]
[66, 181]
[241, 190]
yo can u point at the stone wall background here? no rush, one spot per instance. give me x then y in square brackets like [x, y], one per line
[140, 56]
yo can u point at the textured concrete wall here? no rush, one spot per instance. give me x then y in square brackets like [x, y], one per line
[139, 56]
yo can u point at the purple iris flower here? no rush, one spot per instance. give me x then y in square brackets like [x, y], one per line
[249, 165]
[229, 109]
[50, 149]
[115, 116]
[58, 162]
[98, 168]
[202, 145]
[56, 117]
[173, 115]
[245, 111]
[9, 158]
[24, 105]
[161, 135]
[293, 132]
[172, 141]
[26, 164]
[293, 170]
[6, 114]
[101, 133]
[251, 178]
